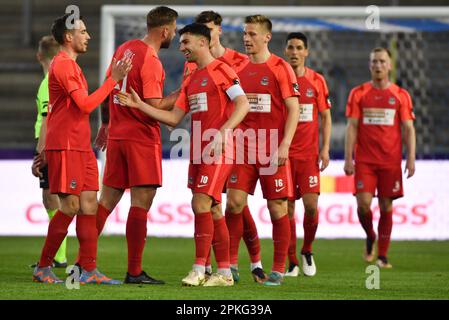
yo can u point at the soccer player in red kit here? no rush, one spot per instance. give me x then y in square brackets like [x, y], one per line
[73, 171]
[213, 95]
[272, 91]
[305, 154]
[213, 20]
[134, 152]
[234, 59]
[377, 111]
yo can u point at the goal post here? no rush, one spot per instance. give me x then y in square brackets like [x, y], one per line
[340, 40]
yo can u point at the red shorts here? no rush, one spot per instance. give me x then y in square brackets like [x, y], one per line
[387, 180]
[306, 177]
[208, 179]
[71, 171]
[274, 186]
[131, 164]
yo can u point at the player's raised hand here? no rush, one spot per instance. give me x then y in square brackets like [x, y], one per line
[120, 69]
[129, 99]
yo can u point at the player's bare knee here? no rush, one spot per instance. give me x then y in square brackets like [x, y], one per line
[277, 208]
[201, 203]
[363, 209]
[89, 208]
[385, 204]
[216, 212]
[310, 209]
[235, 204]
[199, 207]
[110, 197]
[142, 197]
[70, 206]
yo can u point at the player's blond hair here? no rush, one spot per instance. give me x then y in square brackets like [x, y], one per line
[260, 20]
[381, 49]
[48, 47]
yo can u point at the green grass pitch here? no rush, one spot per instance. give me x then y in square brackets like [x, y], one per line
[421, 271]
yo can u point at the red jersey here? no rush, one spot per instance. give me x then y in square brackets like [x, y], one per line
[267, 85]
[380, 113]
[314, 98]
[68, 126]
[147, 79]
[204, 93]
[232, 58]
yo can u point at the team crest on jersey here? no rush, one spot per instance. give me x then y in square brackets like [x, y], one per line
[309, 93]
[296, 87]
[236, 81]
[360, 184]
[233, 178]
[73, 184]
[204, 82]
[392, 100]
[264, 81]
[190, 180]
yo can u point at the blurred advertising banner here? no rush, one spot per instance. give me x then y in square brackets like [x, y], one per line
[422, 214]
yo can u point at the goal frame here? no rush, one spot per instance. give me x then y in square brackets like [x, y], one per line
[110, 12]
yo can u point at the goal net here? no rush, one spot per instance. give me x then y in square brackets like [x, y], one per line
[340, 39]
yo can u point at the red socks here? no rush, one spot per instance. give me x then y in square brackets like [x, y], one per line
[235, 227]
[204, 231]
[384, 228]
[87, 234]
[281, 240]
[136, 234]
[220, 243]
[102, 216]
[57, 231]
[366, 220]
[292, 246]
[250, 235]
[310, 225]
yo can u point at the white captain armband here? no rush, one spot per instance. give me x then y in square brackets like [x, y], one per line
[235, 91]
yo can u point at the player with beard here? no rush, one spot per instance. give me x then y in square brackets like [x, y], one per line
[134, 152]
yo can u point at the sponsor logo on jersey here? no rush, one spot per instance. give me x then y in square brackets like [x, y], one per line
[264, 81]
